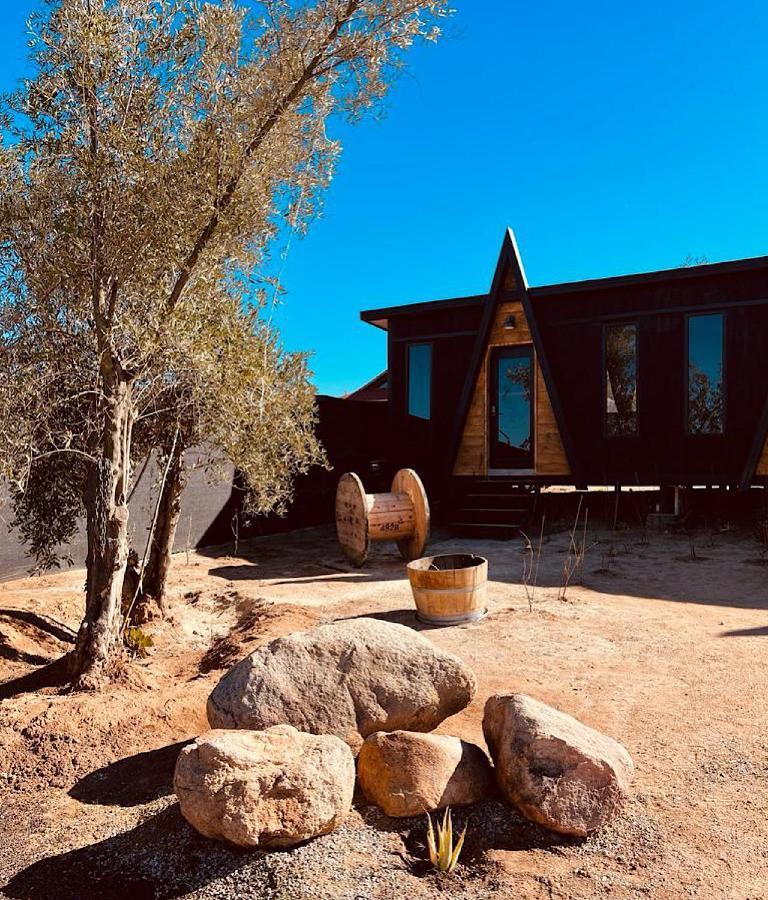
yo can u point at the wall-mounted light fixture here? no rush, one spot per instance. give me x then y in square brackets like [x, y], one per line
[510, 321]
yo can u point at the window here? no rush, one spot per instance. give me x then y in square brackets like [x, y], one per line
[620, 380]
[705, 374]
[419, 380]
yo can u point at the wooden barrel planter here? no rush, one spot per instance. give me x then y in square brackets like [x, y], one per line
[449, 589]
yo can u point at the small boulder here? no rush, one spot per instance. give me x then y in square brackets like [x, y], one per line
[407, 774]
[349, 678]
[272, 788]
[557, 771]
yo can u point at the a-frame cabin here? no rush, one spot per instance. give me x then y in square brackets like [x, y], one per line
[651, 379]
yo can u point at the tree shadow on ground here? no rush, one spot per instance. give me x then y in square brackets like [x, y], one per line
[758, 631]
[162, 857]
[409, 618]
[41, 622]
[312, 573]
[398, 616]
[54, 674]
[13, 654]
[131, 781]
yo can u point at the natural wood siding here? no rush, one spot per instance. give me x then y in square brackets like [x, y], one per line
[549, 450]
[762, 465]
[472, 458]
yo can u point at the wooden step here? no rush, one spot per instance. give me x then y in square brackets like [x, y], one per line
[489, 531]
[490, 516]
[494, 487]
[522, 511]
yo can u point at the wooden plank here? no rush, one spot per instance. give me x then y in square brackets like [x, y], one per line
[471, 458]
[762, 463]
[352, 518]
[408, 484]
[390, 517]
[548, 448]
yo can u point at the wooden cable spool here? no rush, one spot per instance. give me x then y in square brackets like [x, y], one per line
[401, 516]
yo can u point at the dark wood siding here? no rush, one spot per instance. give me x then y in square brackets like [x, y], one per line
[416, 442]
[571, 327]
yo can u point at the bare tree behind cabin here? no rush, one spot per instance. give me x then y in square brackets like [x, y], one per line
[621, 380]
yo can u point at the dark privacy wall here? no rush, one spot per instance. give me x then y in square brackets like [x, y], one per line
[353, 433]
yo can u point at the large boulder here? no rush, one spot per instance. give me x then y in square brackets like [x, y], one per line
[349, 678]
[272, 788]
[557, 771]
[407, 773]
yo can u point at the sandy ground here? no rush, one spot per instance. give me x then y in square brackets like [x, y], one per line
[662, 651]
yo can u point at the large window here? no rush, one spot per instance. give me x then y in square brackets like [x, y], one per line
[705, 374]
[420, 380]
[621, 380]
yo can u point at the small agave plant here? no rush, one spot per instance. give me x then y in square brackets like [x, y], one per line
[442, 854]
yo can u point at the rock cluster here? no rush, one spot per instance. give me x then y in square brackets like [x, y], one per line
[407, 774]
[271, 788]
[350, 679]
[278, 767]
[557, 771]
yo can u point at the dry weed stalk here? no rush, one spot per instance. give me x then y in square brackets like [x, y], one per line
[189, 538]
[573, 565]
[531, 560]
[235, 526]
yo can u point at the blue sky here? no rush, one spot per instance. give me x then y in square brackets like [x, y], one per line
[612, 137]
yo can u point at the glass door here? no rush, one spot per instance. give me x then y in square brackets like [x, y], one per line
[511, 408]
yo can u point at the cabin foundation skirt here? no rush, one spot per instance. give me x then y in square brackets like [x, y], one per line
[449, 589]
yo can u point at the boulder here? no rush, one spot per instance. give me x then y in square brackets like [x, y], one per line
[272, 788]
[557, 771]
[407, 774]
[349, 678]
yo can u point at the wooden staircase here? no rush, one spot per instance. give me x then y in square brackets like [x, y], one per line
[494, 507]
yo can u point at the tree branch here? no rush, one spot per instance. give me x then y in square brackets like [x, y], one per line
[309, 72]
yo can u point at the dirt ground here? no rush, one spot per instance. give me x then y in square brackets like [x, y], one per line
[662, 649]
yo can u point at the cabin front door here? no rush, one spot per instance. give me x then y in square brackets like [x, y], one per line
[510, 413]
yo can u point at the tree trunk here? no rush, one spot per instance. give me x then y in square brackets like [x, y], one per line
[168, 512]
[107, 532]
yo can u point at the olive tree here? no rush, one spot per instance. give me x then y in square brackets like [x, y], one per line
[152, 154]
[238, 399]
[244, 401]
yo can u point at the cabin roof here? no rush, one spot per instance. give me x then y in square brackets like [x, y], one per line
[380, 317]
[373, 390]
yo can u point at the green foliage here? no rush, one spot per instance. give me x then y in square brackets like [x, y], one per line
[46, 513]
[442, 853]
[148, 163]
[151, 159]
[138, 642]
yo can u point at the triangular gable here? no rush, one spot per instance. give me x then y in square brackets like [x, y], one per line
[468, 448]
[762, 463]
[757, 460]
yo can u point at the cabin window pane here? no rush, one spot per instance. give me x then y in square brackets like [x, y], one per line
[419, 380]
[705, 374]
[621, 380]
